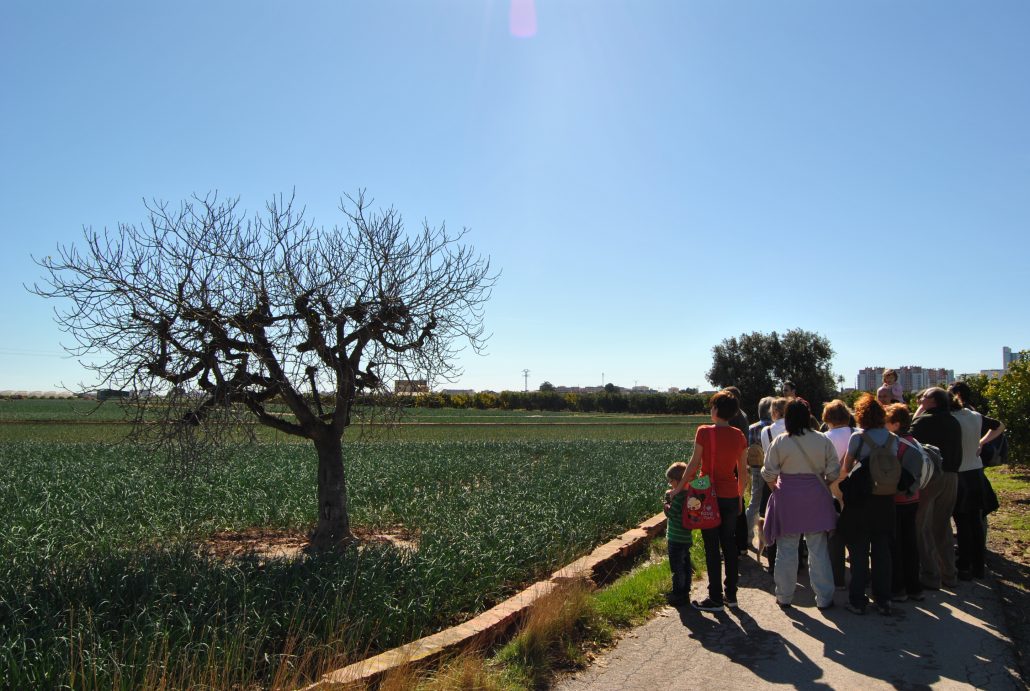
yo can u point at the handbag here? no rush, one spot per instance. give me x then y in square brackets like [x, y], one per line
[701, 507]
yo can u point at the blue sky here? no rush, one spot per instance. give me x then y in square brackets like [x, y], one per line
[651, 177]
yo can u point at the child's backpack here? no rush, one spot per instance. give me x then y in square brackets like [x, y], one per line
[884, 469]
[929, 468]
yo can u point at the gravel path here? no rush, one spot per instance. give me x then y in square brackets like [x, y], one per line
[955, 638]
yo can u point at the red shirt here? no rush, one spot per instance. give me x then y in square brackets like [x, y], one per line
[729, 445]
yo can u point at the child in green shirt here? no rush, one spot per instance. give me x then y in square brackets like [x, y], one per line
[680, 540]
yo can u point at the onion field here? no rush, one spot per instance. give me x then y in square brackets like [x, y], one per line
[104, 581]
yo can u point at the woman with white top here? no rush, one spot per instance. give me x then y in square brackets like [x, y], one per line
[799, 467]
[977, 430]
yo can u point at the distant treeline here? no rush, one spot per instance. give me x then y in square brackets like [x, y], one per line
[601, 402]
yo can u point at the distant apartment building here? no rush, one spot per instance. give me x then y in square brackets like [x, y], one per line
[579, 389]
[911, 377]
[918, 378]
[410, 387]
[869, 378]
[643, 389]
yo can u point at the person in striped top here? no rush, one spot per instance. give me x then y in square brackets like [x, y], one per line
[680, 539]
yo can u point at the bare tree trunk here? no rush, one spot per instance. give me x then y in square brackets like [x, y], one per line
[333, 527]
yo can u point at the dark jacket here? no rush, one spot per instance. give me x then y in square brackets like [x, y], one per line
[740, 422]
[937, 426]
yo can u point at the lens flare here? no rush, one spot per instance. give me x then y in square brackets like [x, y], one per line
[522, 18]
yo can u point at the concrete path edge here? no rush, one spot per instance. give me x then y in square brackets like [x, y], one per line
[598, 567]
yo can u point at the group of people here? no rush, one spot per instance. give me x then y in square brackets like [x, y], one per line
[880, 483]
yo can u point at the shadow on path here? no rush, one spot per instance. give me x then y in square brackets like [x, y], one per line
[738, 636]
[949, 637]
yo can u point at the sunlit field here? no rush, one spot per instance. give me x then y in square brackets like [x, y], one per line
[105, 580]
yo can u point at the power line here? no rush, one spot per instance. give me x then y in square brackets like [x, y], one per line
[33, 353]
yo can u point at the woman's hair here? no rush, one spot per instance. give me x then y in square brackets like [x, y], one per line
[763, 407]
[733, 390]
[890, 373]
[675, 471]
[836, 413]
[869, 413]
[899, 413]
[726, 405]
[961, 394]
[778, 406]
[797, 418]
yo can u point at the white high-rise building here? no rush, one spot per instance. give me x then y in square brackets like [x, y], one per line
[869, 378]
[911, 377]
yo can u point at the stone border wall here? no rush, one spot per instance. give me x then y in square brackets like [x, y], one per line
[598, 567]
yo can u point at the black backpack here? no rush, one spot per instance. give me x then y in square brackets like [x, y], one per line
[996, 452]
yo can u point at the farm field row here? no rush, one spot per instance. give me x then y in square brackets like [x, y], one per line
[83, 421]
[102, 573]
[72, 410]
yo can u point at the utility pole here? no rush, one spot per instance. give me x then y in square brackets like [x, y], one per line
[525, 376]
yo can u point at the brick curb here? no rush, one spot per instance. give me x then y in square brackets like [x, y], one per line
[598, 567]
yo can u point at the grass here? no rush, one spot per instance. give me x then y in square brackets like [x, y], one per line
[1012, 485]
[560, 633]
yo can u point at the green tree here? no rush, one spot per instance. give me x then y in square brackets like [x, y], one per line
[547, 386]
[1009, 399]
[978, 384]
[759, 363]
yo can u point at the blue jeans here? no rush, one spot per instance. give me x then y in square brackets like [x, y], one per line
[723, 537]
[757, 483]
[819, 570]
[682, 569]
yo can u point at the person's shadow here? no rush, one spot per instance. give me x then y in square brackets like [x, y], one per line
[739, 637]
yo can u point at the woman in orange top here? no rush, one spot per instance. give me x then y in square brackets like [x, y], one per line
[720, 451]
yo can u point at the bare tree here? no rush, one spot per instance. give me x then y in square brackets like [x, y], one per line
[268, 316]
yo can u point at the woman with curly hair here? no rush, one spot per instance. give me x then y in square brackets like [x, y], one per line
[867, 522]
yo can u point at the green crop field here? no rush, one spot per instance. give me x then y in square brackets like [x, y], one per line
[103, 581]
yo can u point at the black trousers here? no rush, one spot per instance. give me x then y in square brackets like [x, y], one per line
[905, 552]
[722, 538]
[969, 524]
[860, 548]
